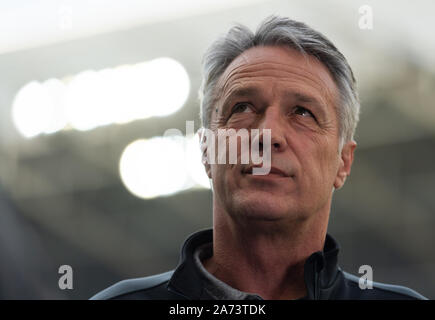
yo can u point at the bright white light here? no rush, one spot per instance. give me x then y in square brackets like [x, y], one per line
[32, 109]
[193, 163]
[132, 92]
[83, 101]
[96, 98]
[154, 167]
[162, 166]
[167, 84]
[56, 89]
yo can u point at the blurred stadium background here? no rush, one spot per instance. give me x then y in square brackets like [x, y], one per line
[88, 89]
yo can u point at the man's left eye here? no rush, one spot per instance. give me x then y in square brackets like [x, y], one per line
[304, 112]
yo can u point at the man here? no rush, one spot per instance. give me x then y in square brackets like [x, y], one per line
[269, 237]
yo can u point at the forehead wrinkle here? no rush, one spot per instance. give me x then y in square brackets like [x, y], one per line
[241, 71]
[228, 75]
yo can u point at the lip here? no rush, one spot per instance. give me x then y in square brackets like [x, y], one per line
[274, 171]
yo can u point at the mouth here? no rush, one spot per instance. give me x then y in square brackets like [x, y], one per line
[274, 171]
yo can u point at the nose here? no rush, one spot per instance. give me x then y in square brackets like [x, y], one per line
[274, 120]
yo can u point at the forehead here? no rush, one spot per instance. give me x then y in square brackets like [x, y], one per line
[263, 65]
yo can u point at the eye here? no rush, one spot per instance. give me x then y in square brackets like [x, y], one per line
[304, 112]
[241, 108]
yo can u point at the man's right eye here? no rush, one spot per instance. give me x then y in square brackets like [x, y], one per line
[241, 107]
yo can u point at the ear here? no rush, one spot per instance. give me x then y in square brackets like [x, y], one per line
[203, 145]
[346, 160]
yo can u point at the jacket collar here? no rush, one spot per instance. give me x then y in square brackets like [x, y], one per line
[321, 271]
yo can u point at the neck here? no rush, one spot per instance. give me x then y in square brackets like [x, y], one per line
[263, 257]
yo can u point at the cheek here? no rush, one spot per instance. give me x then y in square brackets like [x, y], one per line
[328, 165]
[319, 163]
[217, 179]
[224, 183]
[222, 176]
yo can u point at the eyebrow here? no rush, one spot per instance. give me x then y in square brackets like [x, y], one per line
[240, 92]
[307, 99]
[303, 98]
[243, 92]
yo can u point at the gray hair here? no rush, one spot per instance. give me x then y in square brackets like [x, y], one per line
[281, 31]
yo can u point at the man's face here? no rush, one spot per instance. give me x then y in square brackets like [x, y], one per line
[295, 96]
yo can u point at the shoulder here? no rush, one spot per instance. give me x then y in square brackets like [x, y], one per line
[138, 288]
[380, 291]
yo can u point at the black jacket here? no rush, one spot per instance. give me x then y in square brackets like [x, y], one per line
[323, 278]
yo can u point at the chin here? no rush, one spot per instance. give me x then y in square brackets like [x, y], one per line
[261, 207]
